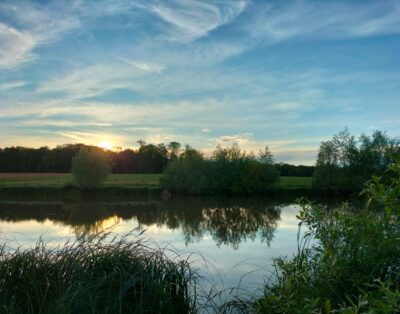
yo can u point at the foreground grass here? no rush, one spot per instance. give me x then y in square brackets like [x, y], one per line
[118, 180]
[94, 276]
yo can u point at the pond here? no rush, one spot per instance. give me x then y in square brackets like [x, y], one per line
[231, 242]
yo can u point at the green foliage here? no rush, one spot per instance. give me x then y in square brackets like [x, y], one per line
[186, 174]
[228, 171]
[94, 276]
[386, 196]
[352, 264]
[345, 163]
[90, 167]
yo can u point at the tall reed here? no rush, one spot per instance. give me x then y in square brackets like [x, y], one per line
[94, 275]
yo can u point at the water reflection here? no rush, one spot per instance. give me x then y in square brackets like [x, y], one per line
[227, 222]
[237, 238]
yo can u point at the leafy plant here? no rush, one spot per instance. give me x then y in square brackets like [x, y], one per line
[90, 167]
[228, 171]
[348, 261]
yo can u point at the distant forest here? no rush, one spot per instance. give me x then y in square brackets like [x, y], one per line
[149, 158]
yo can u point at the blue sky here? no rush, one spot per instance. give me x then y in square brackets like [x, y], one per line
[287, 74]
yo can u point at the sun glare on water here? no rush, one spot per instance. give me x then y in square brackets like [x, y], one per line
[105, 145]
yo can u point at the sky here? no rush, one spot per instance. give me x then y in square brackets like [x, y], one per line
[287, 74]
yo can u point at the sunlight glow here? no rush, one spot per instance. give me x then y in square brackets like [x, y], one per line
[105, 145]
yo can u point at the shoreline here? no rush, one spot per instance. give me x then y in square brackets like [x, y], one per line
[135, 192]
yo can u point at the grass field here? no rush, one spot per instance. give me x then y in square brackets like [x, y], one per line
[295, 182]
[62, 179]
[122, 180]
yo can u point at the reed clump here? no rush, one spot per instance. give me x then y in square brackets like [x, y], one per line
[94, 275]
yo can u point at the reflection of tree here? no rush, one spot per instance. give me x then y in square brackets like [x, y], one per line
[232, 225]
[229, 222]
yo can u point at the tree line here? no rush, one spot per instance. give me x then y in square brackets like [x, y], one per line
[344, 163]
[148, 158]
[287, 170]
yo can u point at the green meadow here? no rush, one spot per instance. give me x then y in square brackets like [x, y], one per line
[295, 182]
[62, 179]
[117, 180]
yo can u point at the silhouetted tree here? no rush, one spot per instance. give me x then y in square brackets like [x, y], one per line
[90, 167]
[345, 163]
[173, 150]
[266, 156]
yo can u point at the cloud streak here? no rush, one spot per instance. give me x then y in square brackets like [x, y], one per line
[35, 25]
[11, 85]
[195, 19]
[325, 20]
[16, 47]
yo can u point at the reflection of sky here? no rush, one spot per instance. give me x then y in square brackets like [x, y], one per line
[225, 265]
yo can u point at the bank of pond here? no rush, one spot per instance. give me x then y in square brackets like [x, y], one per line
[155, 255]
[121, 186]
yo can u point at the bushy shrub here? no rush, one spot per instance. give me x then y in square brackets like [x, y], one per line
[228, 171]
[353, 265]
[90, 167]
[186, 174]
[232, 171]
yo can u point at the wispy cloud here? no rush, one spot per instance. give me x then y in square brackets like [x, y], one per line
[29, 26]
[195, 19]
[240, 139]
[113, 113]
[145, 66]
[44, 23]
[325, 20]
[16, 47]
[11, 85]
[98, 79]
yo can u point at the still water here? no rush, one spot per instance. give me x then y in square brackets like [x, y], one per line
[230, 241]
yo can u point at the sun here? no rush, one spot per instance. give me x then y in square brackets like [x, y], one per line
[105, 145]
